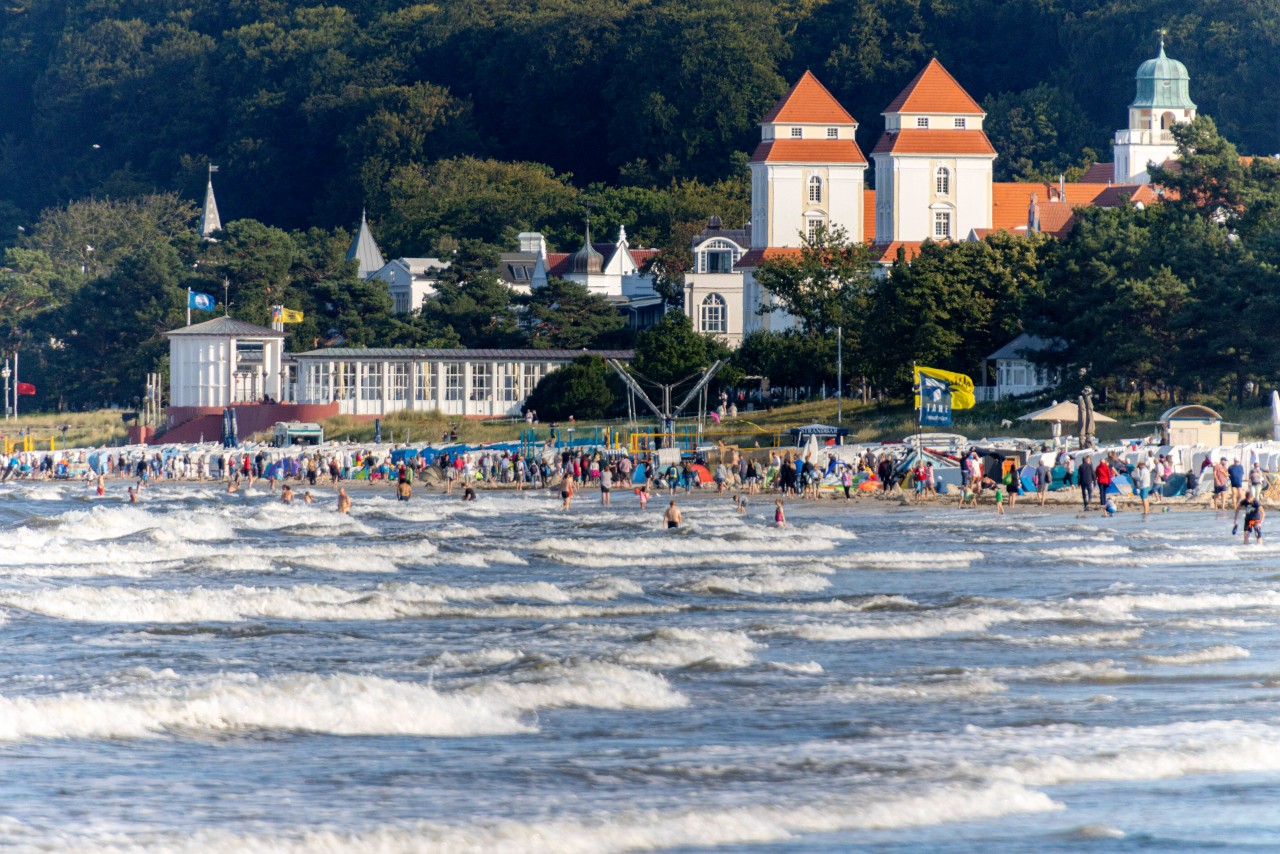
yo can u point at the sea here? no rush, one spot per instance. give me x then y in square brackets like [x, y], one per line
[205, 671]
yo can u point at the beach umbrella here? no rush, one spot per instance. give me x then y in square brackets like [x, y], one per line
[1063, 412]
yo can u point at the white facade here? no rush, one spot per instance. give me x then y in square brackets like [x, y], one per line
[457, 383]
[410, 281]
[789, 200]
[1016, 372]
[224, 361]
[713, 290]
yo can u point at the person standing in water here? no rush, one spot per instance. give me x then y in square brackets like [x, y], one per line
[1253, 516]
[344, 500]
[672, 516]
[566, 490]
[779, 518]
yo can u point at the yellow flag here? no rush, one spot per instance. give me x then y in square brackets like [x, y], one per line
[961, 387]
[280, 314]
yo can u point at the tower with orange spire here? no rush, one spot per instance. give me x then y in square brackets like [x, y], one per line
[933, 164]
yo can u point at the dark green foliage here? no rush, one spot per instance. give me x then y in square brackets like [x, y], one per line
[581, 389]
[565, 315]
[671, 351]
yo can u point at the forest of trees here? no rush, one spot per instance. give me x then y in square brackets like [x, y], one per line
[460, 124]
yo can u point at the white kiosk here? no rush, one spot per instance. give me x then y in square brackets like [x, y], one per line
[224, 361]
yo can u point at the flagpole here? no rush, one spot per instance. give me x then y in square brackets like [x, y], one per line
[915, 377]
[15, 385]
[188, 306]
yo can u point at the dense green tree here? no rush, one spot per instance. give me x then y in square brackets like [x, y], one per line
[120, 319]
[670, 351]
[827, 284]
[1040, 133]
[477, 312]
[565, 315]
[580, 389]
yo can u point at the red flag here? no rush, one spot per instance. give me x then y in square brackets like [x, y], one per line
[26, 388]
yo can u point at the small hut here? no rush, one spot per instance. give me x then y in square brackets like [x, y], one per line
[1191, 424]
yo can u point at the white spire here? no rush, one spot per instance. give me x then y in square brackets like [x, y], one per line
[209, 219]
[364, 250]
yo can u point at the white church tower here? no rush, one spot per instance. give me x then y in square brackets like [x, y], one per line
[1163, 100]
[933, 164]
[806, 175]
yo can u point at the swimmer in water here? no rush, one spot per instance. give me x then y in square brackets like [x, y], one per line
[133, 496]
[307, 499]
[102, 485]
[779, 518]
[468, 494]
[286, 494]
[672, 517]
[1253, 516]
[344, 500]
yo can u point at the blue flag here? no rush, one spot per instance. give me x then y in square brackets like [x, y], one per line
[935, 402]
[204, 302]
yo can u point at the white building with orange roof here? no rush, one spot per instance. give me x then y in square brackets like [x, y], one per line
[807, 174]
[933, 163]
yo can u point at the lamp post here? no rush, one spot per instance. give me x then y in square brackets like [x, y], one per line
[6, 373]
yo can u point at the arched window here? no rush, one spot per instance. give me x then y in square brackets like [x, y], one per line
[714, 316]
[815, 189]
[1167, 121]
[942, 180]
[718, 256]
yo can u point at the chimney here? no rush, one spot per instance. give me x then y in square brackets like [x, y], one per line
[1062, 187]
[1033, 214]
[533, 241]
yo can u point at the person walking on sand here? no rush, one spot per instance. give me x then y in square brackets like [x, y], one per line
[779, 518]
[672, 517]
[1044, 476]
[1086, 479]
[344, 500]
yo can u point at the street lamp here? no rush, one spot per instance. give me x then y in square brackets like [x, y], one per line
[6, 373]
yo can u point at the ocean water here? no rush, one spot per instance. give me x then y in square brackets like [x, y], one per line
[212, 672]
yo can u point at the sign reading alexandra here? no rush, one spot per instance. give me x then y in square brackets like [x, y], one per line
[935, 402]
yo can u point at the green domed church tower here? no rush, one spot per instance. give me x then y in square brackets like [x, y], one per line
[1163, 99]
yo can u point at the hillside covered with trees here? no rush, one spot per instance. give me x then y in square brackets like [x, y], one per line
[461, 123]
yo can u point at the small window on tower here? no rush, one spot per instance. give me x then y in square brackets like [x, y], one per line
[833, 133]
[922, 122]
[796, 133]
[959, 123]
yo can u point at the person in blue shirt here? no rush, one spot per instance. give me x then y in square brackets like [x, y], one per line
[1235, 473]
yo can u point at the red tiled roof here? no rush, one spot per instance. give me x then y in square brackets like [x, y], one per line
[808, 151]
[934, 90]
[889, 251]
[559, 263]
[640, 256]
[1117, 194]
[868, 216]
[925, 141]
[808, 102]
[1057, 218]
[1099, 173]
[752, 259]
[1010, 200]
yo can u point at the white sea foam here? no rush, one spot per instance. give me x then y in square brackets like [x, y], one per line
[627, 550]
[1224, 652]
[812, 668]
[318, 602]
[911, 560]
[676, 647]
[639, 830]
[958, 689]
[344, 704]
[1120, 637]
[772, 583]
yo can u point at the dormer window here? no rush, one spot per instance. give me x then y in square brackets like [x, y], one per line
[833, 133]
[796, 133]
[959, 123]
[922, 121]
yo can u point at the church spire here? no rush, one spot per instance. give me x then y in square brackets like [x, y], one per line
[209, 219]
[364, 250]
